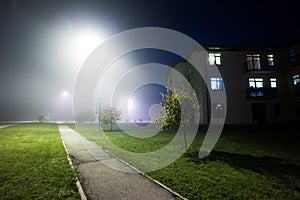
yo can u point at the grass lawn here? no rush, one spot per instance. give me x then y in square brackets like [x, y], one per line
[34, 165]
[247, 163]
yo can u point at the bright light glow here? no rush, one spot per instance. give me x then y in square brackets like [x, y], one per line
[130, 104]
[125, 105]
[85, 41]
[65, 93]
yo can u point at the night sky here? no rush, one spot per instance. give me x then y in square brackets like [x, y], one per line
[38, 61]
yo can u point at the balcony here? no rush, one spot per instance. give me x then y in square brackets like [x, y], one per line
[262, 93]
[258, 67]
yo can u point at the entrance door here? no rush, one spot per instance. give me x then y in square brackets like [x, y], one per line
[259, 113]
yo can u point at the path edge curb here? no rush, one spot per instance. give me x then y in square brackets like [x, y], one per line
[78, 184]
[148, 177]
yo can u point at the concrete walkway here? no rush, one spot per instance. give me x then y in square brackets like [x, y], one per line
[101, 182]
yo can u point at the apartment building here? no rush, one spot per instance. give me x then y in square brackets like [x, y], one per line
[262, 84]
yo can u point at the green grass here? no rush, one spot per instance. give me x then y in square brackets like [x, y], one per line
[34, 165]
[247, 163]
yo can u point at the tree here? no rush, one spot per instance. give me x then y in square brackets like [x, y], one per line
[170, 116]
[85, 116]
[110, 115]
[174, 102]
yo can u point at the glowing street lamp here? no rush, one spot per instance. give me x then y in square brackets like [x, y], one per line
[65, 94]
[65, 101]
[85, 41]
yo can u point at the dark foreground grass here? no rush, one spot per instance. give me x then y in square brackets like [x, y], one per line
[247, 163]
[33, 164]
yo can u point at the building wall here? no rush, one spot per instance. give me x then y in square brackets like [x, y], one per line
[234, 77]
[197, 84]
[290, 94]
[280, 105]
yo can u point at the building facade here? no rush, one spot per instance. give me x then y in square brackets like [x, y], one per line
[262, 84]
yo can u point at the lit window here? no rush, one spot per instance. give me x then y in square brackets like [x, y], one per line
[273, 82]
[256, 87]
[256, 82]
[296, 80]
[216, 83]
[214, 59]
[270, 60]
[253, 61]
[292, 55]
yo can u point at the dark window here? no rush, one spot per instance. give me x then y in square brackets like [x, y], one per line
[292, 55]
[218, 110]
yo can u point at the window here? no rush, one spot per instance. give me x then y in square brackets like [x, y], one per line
[218, 110]
[292, 55]
[273, 82]
[253, 61]
[214, 59]
[256, 83]
[256, 87]
[216, 83]
[270, 60]
[296, 80]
